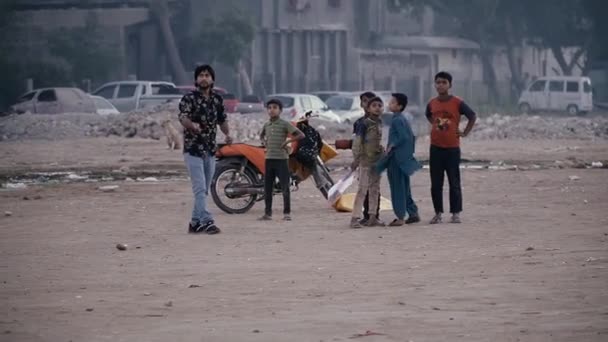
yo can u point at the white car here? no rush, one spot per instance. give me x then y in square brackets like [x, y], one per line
[347, 107]
[558, 93]
[54, 101]
[132, 95]
[103, 106]
[296, 105]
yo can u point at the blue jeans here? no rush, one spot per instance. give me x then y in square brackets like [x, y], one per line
[201, 170]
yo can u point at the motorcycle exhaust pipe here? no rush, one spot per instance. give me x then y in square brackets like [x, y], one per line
[235, 192]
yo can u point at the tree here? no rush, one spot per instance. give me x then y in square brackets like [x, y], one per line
[15, 63]
[597, 53]
[226, 40]
[475, 20]
[84, 51]
[160, 10]
[559, 25]
[510, 24]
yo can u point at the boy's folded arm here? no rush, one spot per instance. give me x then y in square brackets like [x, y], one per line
[428, 113]
[400, 134]
[471, 116]
[357, 148]
[298, 135]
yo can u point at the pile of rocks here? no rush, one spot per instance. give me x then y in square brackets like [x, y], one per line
[50, 127]
[146, 124]
[540, 127]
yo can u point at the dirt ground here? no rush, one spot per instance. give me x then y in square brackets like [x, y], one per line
[529, 263]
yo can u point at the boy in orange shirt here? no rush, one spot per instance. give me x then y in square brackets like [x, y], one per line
[444, 113]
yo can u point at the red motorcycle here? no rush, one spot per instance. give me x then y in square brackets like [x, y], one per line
[239, 177]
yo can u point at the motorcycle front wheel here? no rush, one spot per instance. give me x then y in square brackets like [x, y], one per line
[226, 175]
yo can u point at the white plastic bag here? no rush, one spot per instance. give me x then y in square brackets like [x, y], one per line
[339, 188]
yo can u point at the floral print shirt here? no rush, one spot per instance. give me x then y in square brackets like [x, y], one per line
[208, 112]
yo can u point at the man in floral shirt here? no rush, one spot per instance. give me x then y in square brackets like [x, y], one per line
[200, 112]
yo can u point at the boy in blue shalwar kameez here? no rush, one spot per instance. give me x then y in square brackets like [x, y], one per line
[401, 163]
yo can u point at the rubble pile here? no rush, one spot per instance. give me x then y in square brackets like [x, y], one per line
[540, 127]
[48, 127]
[146, 124]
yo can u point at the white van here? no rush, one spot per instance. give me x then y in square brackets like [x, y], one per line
[558, 93]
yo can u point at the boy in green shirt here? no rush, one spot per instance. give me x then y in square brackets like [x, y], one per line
[274, 137]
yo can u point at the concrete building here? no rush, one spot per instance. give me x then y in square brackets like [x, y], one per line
[299, 45]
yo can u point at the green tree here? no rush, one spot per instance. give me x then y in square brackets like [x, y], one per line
[73, 55]
[84, 51]
[595, 11]
[509, 24]
[476, 20]
[559, 25]
[226, 40]
[160, 11]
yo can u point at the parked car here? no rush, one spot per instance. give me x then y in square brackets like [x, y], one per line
[250, 104]
[347, 107]
[54, 101]
[130, 95]
[185, 89]
[230, 101]
[103, 106]
[558, 93]
[324, 95]
[296, 105]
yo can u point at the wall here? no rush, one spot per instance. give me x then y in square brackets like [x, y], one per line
[113, 21]
[305, 14]
[300, 60]
[50, 19]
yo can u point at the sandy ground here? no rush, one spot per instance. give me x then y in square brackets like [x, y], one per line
[529, 263]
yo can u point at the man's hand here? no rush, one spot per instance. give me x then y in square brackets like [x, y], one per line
[389, 149]
[228, 140]
[285, 143]
[354, 165]
[195, 128]
[462, 134]
[191, 126]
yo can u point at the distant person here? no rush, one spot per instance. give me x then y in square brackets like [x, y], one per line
[200, 112]
[443, 113]
[359, 129]
[368, 152]
[401, 162]
[274, 136]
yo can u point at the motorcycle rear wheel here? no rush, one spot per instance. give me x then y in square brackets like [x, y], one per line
[224, 175]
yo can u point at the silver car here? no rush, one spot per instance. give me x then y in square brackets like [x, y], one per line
[296, 105]
[347, 107]
[55, 101]
[131, 95]
[103, 106]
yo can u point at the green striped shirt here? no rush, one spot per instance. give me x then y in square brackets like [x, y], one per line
[276, 132]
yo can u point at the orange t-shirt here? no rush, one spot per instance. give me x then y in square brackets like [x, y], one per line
[445, 119]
